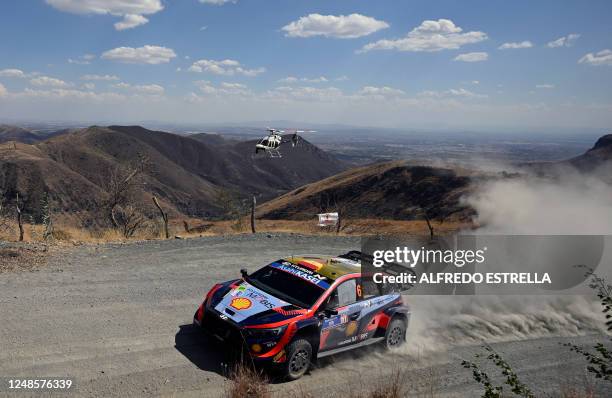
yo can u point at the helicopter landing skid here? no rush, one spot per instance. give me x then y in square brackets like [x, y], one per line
[274, 153]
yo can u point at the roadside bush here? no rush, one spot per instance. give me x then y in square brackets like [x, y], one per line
[247, 382]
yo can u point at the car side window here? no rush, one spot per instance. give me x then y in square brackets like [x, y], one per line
[347, 293]
[370, 289]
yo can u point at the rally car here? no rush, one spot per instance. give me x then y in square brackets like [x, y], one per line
[298, 309]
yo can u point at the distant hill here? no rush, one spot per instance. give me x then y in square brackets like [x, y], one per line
[600, 154]
[185, 173]
[19, 134]
[14, 133]
[397, 190]
[391, 190]
[597, 160]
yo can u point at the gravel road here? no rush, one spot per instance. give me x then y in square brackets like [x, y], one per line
[116, 318]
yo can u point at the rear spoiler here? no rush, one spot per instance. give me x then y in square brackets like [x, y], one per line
[393, 269]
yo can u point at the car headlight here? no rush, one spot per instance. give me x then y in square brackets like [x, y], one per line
[265, 333]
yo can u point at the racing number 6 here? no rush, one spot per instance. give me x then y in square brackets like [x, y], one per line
[358, 290]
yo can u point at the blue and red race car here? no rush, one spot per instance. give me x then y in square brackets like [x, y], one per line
[298, 309]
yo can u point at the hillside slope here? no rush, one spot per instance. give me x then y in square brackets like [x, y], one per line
[186, 174]
[391, 190]
[599, 155]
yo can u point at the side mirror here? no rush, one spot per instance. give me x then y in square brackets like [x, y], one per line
[244, 272]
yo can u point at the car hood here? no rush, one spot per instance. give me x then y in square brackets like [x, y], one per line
[245, 301]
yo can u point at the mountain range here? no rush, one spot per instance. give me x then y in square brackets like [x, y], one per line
[190, 173]
[186, 173]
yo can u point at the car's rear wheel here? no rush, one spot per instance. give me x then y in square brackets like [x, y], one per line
[395, 335]
[299, 356]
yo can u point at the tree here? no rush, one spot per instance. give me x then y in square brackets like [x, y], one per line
[120, 187]
[433, 213]
[129, 220]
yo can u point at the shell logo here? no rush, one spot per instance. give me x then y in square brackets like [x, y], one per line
[351, 328]
[241, 303]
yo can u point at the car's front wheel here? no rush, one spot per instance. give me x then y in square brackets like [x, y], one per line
[396, 333]
[299, 356]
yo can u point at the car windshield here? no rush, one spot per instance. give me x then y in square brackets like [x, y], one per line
[288, 284]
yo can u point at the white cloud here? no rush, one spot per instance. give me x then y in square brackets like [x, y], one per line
[289, 79]
[130, 21]
[292, 79]
[380, 91]
[224, 88]
[131, 11]
[59, 93]
[142, 55]
[604, 57]
[217, 2]
[438, 35]
[89, 86]
[82, 60]
[342, 78]
[460, 92]
[48, 81]
[107, 78]
[517, 45]
[565, 41]
[337, 26]
[17, 73]
[545, 86]
[472, 57]
[285, 93]
[151, 89]
[233, 86]
[227, 67]
[2, 90]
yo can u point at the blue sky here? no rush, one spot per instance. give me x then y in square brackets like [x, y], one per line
[452, 64]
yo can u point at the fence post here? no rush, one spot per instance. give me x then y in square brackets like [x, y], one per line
[164, 217]
[19, 222]
[253, 204]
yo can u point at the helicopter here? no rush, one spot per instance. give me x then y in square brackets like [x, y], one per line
[271, 143]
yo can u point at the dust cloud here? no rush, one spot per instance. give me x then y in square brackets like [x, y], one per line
[565, 202]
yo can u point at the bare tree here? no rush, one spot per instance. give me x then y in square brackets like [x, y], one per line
[164, 217]
[19, 218]
[129, 219]
[120, 187]
[429, 225]
[435, 213]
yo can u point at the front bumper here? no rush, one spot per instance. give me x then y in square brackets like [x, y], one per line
[232, 337]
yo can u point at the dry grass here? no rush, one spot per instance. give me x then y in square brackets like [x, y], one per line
[67, 232]
[350, 227]
[247, 383]
[392, 387]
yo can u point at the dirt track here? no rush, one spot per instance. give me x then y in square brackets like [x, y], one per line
[116, 318]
